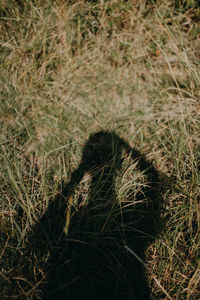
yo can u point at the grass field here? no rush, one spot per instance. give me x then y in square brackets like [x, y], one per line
[99, 149]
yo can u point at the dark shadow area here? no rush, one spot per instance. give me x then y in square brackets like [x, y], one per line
[92, 260]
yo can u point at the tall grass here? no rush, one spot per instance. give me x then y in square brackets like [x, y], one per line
[70, 69]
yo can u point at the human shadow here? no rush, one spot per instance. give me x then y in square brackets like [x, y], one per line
[95, 248]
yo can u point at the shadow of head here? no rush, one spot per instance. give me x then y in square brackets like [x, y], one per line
[101, 148]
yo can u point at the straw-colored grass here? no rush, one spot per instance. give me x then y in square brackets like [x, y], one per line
[70, 69]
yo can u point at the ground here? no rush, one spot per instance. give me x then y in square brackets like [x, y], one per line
[100, 101]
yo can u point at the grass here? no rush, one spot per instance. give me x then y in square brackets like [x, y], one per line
[128, 69]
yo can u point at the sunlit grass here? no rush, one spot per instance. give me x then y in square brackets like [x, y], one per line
[70, 69]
